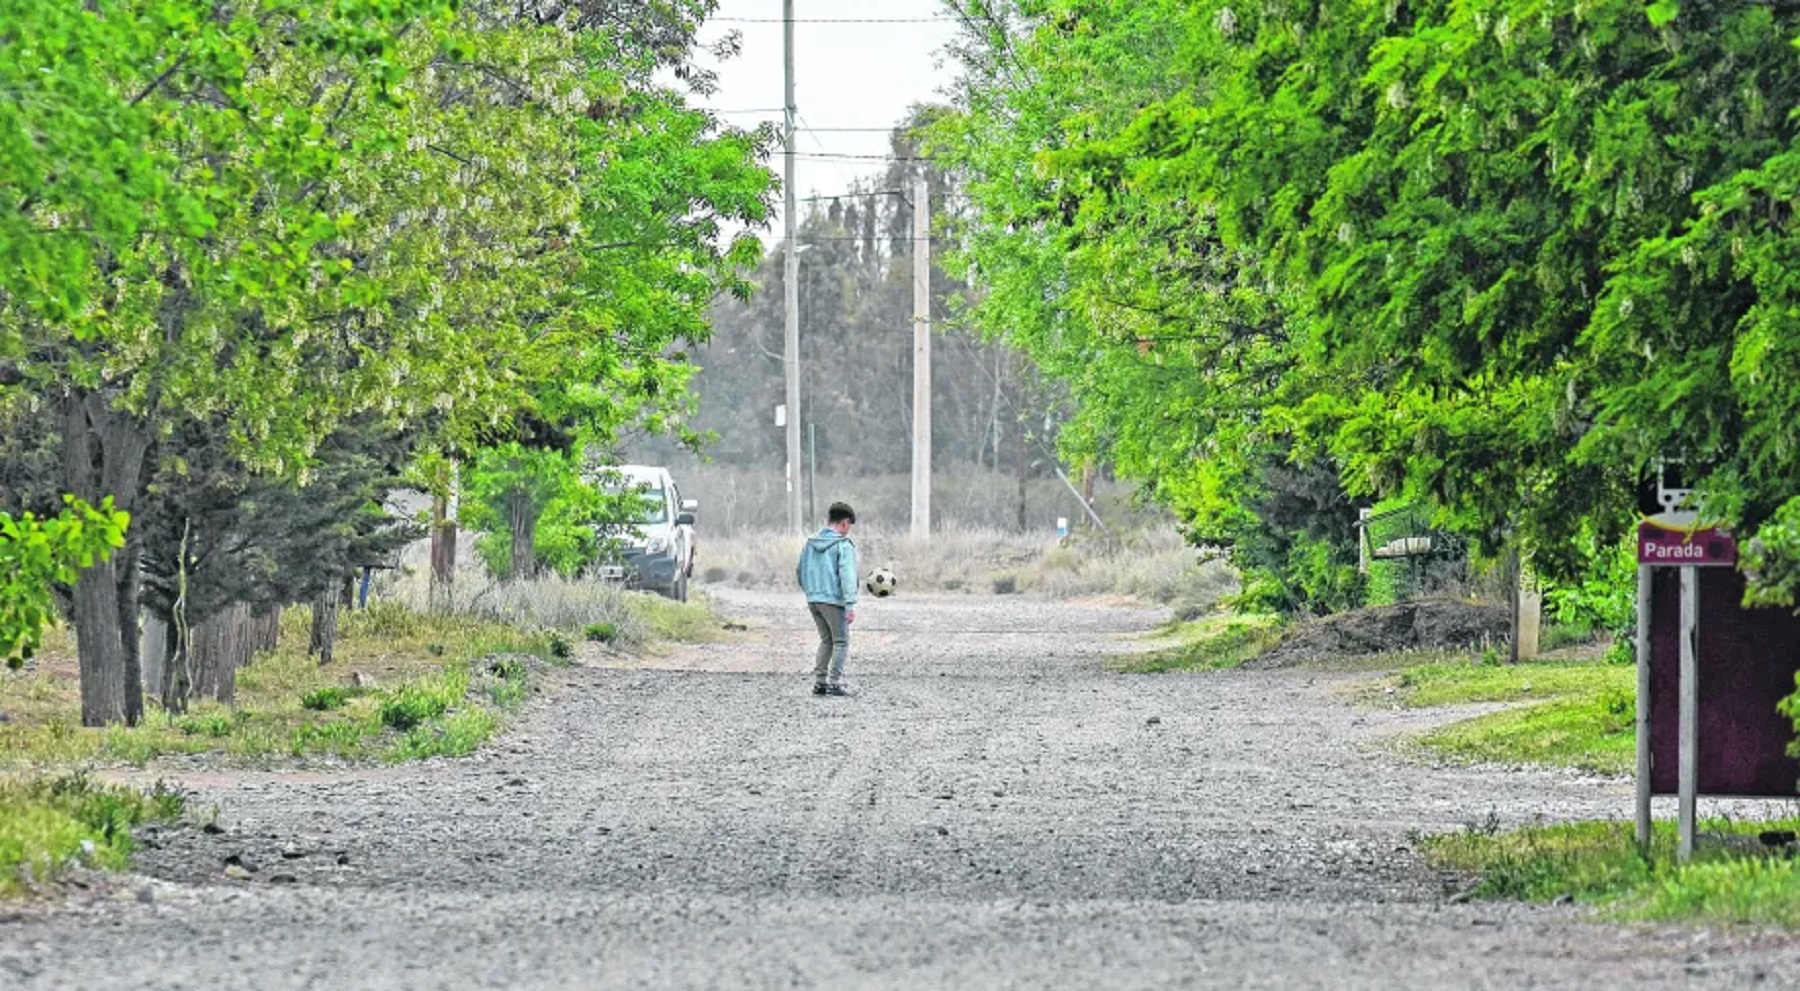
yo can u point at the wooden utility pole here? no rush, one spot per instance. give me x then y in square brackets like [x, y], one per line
[791, 270]
[921, 464]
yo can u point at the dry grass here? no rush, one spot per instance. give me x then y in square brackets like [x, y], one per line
[735, 501]
[1156, 565]
[566, 605]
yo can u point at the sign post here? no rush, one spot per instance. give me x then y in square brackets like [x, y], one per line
[1689, 770]
[1672, 541]
[1643, 708]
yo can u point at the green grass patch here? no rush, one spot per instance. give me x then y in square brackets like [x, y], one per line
[1576, 714]
[1589, 733]
[48, 824]
[1209, 644]
[1459, 683]
[681, 622]
[1732, 879]
[458, 734]
[421, 670]
[422, 681]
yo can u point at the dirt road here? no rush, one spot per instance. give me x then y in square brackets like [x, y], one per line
[995, 810]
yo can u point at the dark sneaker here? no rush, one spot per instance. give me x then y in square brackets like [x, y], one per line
[839, 691]
[821, 689]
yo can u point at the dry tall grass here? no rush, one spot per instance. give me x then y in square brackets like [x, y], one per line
[1156, 565]
[737, 501]
[546, 603]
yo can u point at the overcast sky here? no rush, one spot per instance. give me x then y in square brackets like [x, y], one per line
[847, 75]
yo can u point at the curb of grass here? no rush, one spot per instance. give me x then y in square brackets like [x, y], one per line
[1216, 643]
[1744, 873]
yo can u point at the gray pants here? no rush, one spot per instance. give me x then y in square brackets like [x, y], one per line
[834, 642]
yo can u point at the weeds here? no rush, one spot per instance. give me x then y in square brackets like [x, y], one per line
[1733, 878]
[326, 699]
[47, 825]
[1209, 645]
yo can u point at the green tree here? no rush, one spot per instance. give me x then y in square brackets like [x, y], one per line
[1495, 258]
[36, 554]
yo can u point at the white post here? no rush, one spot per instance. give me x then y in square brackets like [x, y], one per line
[1689, 770]
[921, 452]
[791, 274]
[1644, 576]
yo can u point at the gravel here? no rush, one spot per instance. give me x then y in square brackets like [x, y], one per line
[995, 809]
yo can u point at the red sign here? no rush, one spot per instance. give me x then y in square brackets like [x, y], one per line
[1708, 547]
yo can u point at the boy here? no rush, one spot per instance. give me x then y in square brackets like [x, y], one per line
[827, 574]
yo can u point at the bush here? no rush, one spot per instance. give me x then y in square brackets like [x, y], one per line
[1006, 584]
[602, 632]
[217, 724]
[459, 735]
[421, 701]
[46, 824]
[325, 699]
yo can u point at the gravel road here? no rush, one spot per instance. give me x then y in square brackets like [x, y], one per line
[995, 810]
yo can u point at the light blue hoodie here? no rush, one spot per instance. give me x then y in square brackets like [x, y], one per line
[827, 569]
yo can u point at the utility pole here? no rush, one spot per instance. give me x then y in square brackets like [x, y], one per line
[921, 464]
[791, 277]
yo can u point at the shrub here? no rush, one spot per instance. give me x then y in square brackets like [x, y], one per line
[420, 701]
[457, 736]
[325, 699]
[602, 632]
[1006, 584]
[45, 824]
[215, 724]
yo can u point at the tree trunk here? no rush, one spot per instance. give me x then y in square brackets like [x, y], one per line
[103, 454]
[1020, 468]
[522, 517]
[264, 632]
[99, 645]
[443, 549]
[178, 667]
[130, 625]
[220, 646]
[1087, 490]
[324, 624]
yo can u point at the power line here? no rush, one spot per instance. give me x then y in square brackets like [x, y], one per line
[829, 20]
[879, 158]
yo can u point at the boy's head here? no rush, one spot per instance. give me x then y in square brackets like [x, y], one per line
[840, 517]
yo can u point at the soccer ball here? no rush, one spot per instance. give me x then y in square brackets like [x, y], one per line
[881, 583]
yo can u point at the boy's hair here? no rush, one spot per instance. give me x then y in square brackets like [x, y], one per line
[840, 512]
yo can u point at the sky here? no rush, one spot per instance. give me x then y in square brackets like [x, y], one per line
[863, 71]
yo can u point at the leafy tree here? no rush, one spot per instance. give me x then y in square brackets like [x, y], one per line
[1494, 258]
[36, 553]
[276, 218]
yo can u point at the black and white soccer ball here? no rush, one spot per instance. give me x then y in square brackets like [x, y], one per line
[881, 583]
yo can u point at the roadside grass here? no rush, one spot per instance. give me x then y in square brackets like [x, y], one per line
[1212, 644]
[1734, 878]
[1580, 714]
[50, 824]
[405, 684]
